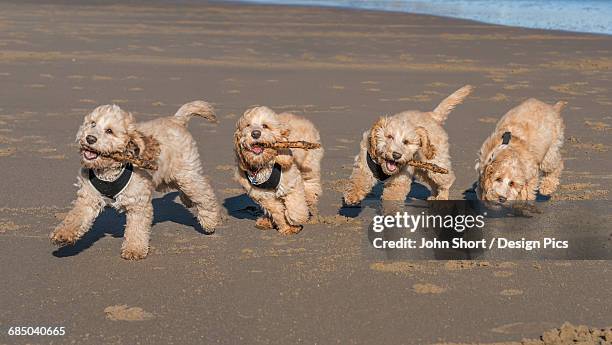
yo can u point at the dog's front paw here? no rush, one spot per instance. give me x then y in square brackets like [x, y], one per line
[290, 229]
[134, 253]
[264, 223]
[351, 199]
[63, 237]
[547, 187]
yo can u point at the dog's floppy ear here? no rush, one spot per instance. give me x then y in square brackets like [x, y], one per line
[238, 149]
[375, 133]
[285, 131]
[142, 147]
[484, 179]
[488, 171]
[428, 150]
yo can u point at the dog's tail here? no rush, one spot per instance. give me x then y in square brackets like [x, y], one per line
[195, 108]
[449, 103]
[559, 106]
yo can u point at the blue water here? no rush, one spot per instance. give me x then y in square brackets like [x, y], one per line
[593, 16]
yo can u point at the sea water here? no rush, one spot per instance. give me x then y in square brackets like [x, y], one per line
[594, 16]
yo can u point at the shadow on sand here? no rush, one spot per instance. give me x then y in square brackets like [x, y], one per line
[417, 191]
[110, 222]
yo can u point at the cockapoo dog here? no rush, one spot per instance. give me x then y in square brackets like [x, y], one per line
[526, 143]
[386, 148]
[103, 181]
[286, 183]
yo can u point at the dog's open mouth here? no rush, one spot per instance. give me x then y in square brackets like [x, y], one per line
[89, 154]
[391, 165]
[257, 149]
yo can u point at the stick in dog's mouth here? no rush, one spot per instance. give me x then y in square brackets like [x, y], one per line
[121, 157]
[300, 144]
[428, 166]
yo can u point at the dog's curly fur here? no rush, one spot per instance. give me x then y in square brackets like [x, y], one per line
[393, 141]
[165, 141]
[297, 195]
[512, 172]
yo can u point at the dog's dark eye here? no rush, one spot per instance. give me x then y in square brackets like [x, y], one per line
[406, 142]
[511, 184]
[389, 136]
[93, 124]
[109, 131]
[499, 179]
[265, 126]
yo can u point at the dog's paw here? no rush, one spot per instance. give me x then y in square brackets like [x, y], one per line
[548, 187]
[264, 223]
[290, 229]
[134, 253]
[351, 199]
[438, 197]
[63, 237]
[208, 221]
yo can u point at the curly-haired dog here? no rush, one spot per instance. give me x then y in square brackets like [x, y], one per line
[286, 183]
[103, 181]
[387, 147]
[526, 142]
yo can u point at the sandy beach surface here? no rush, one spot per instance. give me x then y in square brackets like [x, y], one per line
[341, 69]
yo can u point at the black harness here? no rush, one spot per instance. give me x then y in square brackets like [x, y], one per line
[111, 189]
[376, 169]
[272, 182]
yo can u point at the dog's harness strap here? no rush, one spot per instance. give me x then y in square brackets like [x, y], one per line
[376, 169]
[506, 138]
[272, 182]
[111, 189]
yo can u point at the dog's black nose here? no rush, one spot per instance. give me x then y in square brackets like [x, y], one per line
[91, 139]
[256, 134]
[397, 155]
[502, 199]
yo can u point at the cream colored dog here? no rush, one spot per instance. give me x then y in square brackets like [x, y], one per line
[103, 181]
[387, 147]
[526, 143]
[286, 183]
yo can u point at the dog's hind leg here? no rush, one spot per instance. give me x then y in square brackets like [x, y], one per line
[312, 190]
[78, 221]
[311, 175]
[199, 194]
[551, 168]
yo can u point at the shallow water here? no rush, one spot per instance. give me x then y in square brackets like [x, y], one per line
[593, 16]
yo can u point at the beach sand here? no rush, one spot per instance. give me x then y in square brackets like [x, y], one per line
[340, 68]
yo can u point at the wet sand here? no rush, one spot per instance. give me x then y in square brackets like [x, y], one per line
[341, 69]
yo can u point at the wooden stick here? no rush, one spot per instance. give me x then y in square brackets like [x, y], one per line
[124, 157]
[428, 166]
[301, 144]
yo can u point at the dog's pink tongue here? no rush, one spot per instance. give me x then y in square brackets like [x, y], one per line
[391, 166]
[257, 149]
[90, 155]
